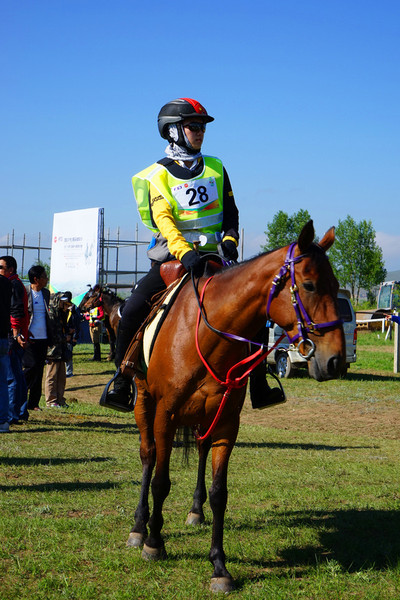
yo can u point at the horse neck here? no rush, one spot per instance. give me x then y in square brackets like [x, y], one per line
[245, 289]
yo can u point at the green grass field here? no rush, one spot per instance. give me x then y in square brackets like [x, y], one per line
[313, 510]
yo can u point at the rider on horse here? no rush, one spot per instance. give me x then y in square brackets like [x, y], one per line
[182, 196]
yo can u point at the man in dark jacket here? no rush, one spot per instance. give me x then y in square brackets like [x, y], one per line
[5, 305]
[57, 354]
[39, 334]
[17, 389]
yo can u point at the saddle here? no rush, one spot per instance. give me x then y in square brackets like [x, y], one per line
[175, 277]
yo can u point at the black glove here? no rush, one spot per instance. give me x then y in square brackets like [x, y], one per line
[229, 249]
[192, 262]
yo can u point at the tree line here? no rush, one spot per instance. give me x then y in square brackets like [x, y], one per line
[356, 258]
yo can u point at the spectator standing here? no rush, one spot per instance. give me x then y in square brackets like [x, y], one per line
[57, 353]
[17, 390]
[95, 316]
[74, 323]
[39, 334]
[5, 305]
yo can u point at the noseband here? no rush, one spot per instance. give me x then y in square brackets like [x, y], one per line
[304, 323]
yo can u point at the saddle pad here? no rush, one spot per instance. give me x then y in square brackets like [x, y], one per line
[152, 327]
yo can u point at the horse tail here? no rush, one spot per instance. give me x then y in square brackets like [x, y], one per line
[185, 441]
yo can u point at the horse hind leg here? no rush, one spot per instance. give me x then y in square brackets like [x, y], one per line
[111, 339]
[111, 354]
[196, 514]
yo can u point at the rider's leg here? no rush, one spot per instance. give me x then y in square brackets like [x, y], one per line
[261, 395]
[136, 309]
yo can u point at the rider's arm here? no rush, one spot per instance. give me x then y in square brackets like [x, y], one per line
[163, 218]
[230, 222]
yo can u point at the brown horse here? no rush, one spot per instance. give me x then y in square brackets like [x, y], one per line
[111, 303]
[192, 368]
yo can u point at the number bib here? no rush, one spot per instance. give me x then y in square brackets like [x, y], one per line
[195, 194]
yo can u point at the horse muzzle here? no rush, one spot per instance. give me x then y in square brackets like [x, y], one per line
[323, 370]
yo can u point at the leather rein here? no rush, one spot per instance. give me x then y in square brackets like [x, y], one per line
[304, 323]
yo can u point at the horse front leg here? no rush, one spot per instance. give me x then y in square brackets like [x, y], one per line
[196, 514]
[111, 340]
[221, 579]
[153, 548]
[144, 415]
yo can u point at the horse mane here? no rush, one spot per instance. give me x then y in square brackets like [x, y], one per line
[106, 290]
[314, 248]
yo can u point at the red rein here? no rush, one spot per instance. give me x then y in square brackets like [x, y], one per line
[230, 382]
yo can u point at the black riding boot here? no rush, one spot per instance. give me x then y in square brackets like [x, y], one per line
[121, 397]
[96, 352]
[261, 395]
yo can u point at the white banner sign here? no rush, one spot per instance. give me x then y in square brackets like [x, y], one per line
[75, 251]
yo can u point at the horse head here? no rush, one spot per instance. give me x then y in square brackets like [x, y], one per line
[307, 283]
[91, 299]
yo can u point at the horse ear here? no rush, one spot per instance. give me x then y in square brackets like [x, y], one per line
[328, 239]
[306, 236]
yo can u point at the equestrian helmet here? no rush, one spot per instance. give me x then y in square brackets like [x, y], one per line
[177, 111]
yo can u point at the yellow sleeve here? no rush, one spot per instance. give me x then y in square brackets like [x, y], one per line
[162, 215]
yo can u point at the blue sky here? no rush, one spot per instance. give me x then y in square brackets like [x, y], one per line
[305, 95]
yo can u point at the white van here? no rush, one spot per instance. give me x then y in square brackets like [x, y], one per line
[286, 358]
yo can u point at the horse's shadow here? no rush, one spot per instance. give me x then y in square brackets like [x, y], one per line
[350, 376]
[297, 446]
[371, 377]
[356, 540]
[348, 540]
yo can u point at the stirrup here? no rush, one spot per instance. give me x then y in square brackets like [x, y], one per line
[264, 397]
[109, 402]
[277, 379]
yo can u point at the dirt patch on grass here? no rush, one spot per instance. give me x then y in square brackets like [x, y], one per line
[355, 417]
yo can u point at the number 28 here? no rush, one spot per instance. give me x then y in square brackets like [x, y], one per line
[198, 195]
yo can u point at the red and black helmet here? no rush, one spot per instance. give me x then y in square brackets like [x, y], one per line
[177, 111]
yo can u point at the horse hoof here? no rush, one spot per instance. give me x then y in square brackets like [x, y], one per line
[194, 519]
[135, 540]
[222, 585]
[152, 554]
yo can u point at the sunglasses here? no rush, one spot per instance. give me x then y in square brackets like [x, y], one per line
[195, 127]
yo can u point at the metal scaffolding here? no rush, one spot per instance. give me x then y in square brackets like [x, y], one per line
[122, 262]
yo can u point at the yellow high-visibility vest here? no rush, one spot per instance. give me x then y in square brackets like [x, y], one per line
[197, 204]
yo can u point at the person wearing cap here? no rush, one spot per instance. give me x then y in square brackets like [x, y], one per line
[181, 197]
[57, 354]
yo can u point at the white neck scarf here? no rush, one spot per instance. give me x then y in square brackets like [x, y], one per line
[180, 153]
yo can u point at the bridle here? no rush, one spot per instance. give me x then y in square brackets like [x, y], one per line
[304, 323]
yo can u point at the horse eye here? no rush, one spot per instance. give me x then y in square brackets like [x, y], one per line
[309, 286]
